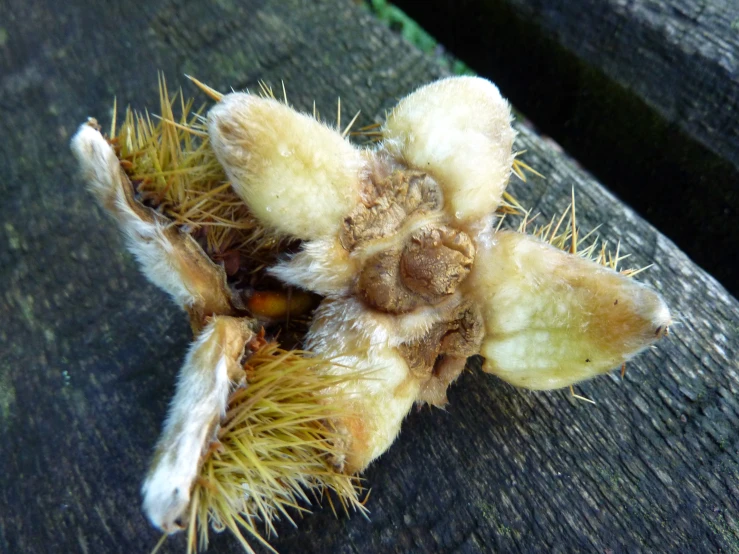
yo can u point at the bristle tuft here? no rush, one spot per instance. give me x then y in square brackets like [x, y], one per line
[278, 449]
[174, 170]
[588, 246]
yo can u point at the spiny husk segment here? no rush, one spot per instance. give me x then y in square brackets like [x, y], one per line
[277, 449]
[174, 170]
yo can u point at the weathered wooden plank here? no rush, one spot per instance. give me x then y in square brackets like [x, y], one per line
[90, 349]
[643, 93]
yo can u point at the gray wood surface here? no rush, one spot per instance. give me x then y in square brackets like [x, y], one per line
[90, 349]
[644, 93]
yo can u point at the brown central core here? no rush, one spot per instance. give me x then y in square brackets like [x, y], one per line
[437, 358]
[411, 258]
[422, 270]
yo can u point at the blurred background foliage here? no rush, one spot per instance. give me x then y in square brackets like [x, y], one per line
[399, 22]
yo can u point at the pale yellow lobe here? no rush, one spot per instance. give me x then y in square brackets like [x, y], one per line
[553, 319]
[357, 339]
[297, 176]
[459, 130]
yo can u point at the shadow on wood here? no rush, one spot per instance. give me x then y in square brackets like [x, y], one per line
[643, 94]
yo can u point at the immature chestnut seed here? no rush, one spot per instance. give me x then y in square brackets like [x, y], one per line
[398, 242]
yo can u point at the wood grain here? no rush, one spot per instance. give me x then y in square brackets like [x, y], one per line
[90, 349]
